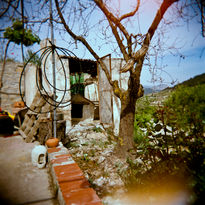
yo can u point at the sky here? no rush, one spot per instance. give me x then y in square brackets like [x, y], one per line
[187, 37]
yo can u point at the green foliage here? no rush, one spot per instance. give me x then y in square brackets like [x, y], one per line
[85, 157]
[188, 105]
[18, 34]
[197, 80]
[32, 58]
[143, 119]
[170, 141]
[97, 129]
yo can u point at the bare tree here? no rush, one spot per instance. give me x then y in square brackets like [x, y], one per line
[134, 61]
[133, 46]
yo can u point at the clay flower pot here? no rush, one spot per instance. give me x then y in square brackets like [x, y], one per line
[52, 142]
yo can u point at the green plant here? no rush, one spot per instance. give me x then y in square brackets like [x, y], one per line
[32, 58]
[143, 121]
[170, 142]
[77, 83]
[188, 105]
[97, 129]
[72, 144]
[86, 157]
[17, 34]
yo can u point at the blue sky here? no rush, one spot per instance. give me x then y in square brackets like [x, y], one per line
[187, 38]
[179, 69]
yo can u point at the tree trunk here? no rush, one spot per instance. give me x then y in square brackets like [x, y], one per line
[127, 117]
[3, 68]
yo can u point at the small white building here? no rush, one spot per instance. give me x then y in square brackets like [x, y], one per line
[96, 99]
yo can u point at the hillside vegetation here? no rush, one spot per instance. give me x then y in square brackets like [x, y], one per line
[169, 136]
[168, 157]
[197, 80]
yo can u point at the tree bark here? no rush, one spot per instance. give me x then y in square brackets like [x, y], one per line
[3, 68]
[127, 116]
[4, 65]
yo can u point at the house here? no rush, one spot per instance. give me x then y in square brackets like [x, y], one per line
[82, 88]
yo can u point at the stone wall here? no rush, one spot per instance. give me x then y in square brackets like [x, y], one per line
[10, 91]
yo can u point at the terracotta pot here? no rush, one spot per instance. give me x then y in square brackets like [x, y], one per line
[19, 104]
[52, 142]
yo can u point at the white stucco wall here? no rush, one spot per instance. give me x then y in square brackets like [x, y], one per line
[88, 112]
[62, 83]
[91, 92]
[105, 95]
[30, 83]
[10, 89]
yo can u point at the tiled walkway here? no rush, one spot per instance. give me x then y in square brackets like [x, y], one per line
[73, 187]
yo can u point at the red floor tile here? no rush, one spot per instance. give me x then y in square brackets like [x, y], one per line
[63, 155]
[54, 149]
[95, 203]
[85, 196]
[74, 185]
[61, 158]
[68, 172]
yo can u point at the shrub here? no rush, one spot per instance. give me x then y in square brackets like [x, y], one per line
[170, 141]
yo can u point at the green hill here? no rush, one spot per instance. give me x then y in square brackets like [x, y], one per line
[159, 97]
[197, 80]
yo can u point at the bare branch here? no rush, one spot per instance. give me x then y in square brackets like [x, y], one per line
[73, 35]
[86, 44]
[160, 13]
[201, 5]
[119, 41]
[10, 4]
[6, 9]
[140, 54]
[112, 18]
[131, 13]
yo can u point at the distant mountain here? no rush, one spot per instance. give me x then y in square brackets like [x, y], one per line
[158, 96]
[154, 89]
[148, 90]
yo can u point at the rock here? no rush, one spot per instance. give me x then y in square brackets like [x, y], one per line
[100, 169]
[101, 159]
[138, 160]
[100, 181]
